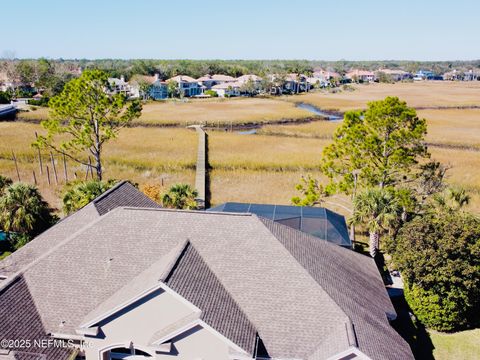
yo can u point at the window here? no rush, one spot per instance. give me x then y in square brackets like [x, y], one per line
[127, 353]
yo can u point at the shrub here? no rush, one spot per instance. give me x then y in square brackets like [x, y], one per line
[180, 196]
[40, 102]
[5, 97]
[153, 191]
[439, 257]
[211, 93]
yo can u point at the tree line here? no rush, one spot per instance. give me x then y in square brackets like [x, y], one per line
[51, 73]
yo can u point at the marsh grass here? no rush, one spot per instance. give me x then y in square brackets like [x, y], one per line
[265, 167]
[138, 154]
[416, 94]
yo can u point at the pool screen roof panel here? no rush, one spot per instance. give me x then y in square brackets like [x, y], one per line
[317, 221]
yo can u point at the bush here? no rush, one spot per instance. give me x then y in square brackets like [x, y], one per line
[5, 97]
[153, 191]
[40, 102]
[439, 257]
[180, 196]
[211, 93]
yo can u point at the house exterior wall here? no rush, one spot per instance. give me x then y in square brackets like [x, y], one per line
[158, 91]
[138, 325]
[189, 88]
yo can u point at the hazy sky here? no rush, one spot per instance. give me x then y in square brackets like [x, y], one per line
[242, 29]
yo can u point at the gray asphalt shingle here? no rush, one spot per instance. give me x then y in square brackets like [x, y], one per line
[247, 275]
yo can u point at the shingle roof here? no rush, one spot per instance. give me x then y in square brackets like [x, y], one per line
[352, 282]
[122, 194]
[193, 280]
[20, 320]
[256, 276]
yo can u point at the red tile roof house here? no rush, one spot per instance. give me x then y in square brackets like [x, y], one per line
[124, 279]
[361, 75]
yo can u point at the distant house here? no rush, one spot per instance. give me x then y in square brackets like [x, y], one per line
[221, 79]
[471, 75]
[453, 75]
[361, 76]
[426, 75]
[245, 78]
[323, 77]
[120, 86]
[295, 83]
[256, 82]
[187, 86]
[396, 74]
[123, 278]
[158, 89]
[206, 81]
[227, 89]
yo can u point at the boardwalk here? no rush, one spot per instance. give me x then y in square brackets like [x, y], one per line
[201, 168]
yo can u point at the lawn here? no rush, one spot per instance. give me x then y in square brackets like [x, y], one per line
[464, 345]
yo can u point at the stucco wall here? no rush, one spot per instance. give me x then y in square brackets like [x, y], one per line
[138, 324]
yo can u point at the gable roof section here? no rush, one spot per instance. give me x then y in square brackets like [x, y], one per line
[122, 194]
[25, 324]
[192, 279]
[353, 282]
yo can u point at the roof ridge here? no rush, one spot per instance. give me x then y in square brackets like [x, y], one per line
[109, 191]
[186, 211]
[7, 281]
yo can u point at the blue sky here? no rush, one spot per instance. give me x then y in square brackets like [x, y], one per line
[242, 29]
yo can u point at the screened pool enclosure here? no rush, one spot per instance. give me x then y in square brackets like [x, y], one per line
[317, 221]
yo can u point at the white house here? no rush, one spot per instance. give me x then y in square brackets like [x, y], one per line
[228, 89]
[120, 86]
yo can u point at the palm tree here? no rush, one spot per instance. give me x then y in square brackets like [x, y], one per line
[23, 210]
[180, 196]
[378, 210]
[80, 194]
[4, 183]
[452, 199]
